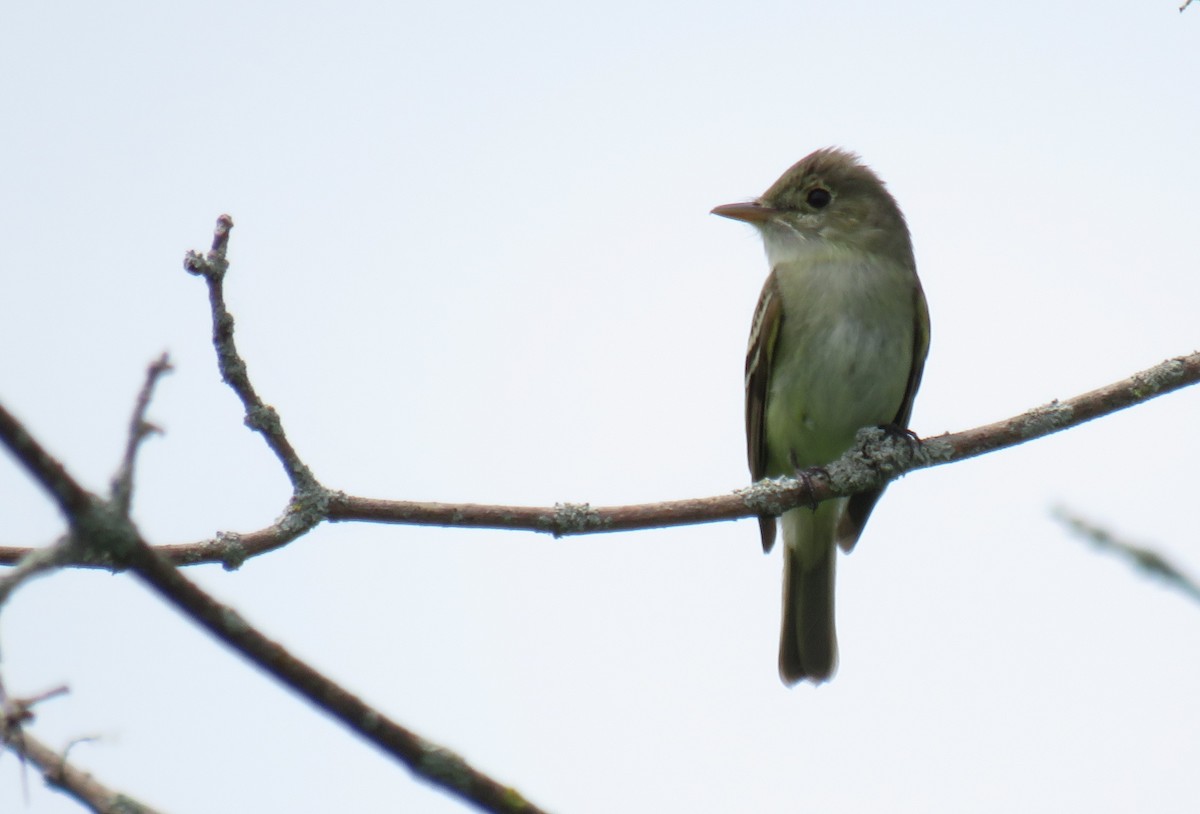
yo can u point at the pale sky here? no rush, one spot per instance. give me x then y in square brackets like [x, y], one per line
[473, 261]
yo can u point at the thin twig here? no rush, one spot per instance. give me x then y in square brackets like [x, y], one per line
[1143, 558]
[15, 714]
[18, 711]
[139, 430]
[36, 561]
[60, 775]
[260, 417]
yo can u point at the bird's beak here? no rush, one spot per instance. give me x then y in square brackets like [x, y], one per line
[750, 212]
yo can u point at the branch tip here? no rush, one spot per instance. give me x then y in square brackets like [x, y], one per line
[139, 430]
[1142, 557]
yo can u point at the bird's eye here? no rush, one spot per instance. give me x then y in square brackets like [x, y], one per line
[819, 198]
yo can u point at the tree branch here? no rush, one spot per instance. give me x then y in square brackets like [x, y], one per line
[1143, 558]
[139, 431]
[14, 714]
[434, 763]
[260, 417]
[101, 531]
[876, 459]
[44, 467]
[35, 561]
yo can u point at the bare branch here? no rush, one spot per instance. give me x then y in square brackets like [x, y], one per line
[139, 430]
[60, 775]
[428, 760]
[15, 713]
[35, 561]
[1142, 558]
[101, 531]
[877, 459]
[260, 417]
[62, 552]
[45, 469]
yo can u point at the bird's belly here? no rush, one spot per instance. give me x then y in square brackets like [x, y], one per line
[846, 377]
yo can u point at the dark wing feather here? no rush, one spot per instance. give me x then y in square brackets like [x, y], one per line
[763, 333]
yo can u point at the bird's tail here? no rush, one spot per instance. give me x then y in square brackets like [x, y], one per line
[808, 646]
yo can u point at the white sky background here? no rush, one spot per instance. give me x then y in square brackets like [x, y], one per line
[473, 261]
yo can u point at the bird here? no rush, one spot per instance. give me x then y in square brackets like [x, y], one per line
[838, 343]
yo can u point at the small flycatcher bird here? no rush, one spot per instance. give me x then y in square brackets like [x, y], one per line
[838, 343]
